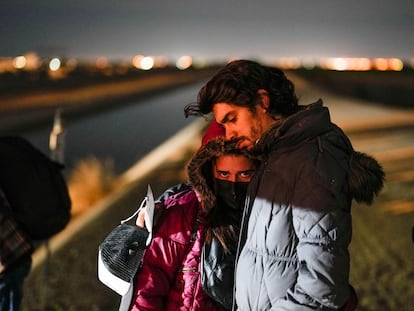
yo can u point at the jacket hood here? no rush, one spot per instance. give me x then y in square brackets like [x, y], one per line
[365, 174]
[309, 122]
[199, 168]
[366, 177]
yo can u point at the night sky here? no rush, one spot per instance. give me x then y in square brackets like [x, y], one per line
[213, 29]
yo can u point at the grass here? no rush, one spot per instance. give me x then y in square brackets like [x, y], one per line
[91, 180]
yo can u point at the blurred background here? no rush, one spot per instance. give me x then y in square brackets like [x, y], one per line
[99, 85]
[216, 30]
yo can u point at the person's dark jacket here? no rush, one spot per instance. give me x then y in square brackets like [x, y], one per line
[15, 245]
[297, 221]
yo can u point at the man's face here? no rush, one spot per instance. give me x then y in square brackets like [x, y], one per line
[242, 123]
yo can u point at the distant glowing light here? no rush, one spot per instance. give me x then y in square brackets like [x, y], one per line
[101, 62]
[232, 59]
[136, 61]
[362, 64]
[341, 64]
[55, 64]
[338, 64]
[381, 64]
[289, 63]
[184, 62]
[396, 64]
[160, 61]
[19, 62]
[146, 63]
[72, 63]
[143, 62]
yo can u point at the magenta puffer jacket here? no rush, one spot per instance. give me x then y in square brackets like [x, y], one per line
[169, 278]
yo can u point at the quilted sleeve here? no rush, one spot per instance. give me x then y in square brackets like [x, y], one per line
[323, 226]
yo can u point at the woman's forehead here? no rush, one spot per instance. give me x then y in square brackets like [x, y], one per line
[229, 162]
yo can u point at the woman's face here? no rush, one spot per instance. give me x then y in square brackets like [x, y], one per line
[234, 168]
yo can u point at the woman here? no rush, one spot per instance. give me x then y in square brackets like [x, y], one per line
[200, 222]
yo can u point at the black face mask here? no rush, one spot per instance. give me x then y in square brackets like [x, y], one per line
[230, 194]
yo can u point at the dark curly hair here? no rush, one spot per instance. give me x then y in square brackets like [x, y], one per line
[237, 83]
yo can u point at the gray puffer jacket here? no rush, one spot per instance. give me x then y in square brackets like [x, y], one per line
[297, 228]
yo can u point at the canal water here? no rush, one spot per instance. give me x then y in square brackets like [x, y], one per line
[123, 135]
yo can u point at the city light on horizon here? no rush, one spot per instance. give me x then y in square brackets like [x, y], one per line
[31, 61]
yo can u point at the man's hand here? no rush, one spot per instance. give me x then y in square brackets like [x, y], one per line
[140, 222]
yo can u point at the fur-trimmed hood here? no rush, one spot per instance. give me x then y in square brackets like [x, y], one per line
[312, 122]
[199, 169]
[365, 178]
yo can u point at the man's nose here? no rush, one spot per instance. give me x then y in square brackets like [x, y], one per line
[230, 134]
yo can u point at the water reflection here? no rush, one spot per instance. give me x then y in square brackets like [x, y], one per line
[126, 134]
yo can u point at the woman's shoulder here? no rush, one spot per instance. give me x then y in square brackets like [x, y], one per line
[182, 198]
[180, 212]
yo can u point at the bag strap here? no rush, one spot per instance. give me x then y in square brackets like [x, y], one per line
[143, 204]
[148, 204]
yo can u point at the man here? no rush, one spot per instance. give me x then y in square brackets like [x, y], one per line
[293, 248]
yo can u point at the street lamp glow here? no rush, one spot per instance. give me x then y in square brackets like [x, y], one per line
[54, 64]
[136, 61]
[147, 63]
[184, 62]
[396, 64]
[339, 64]
[19, 62]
